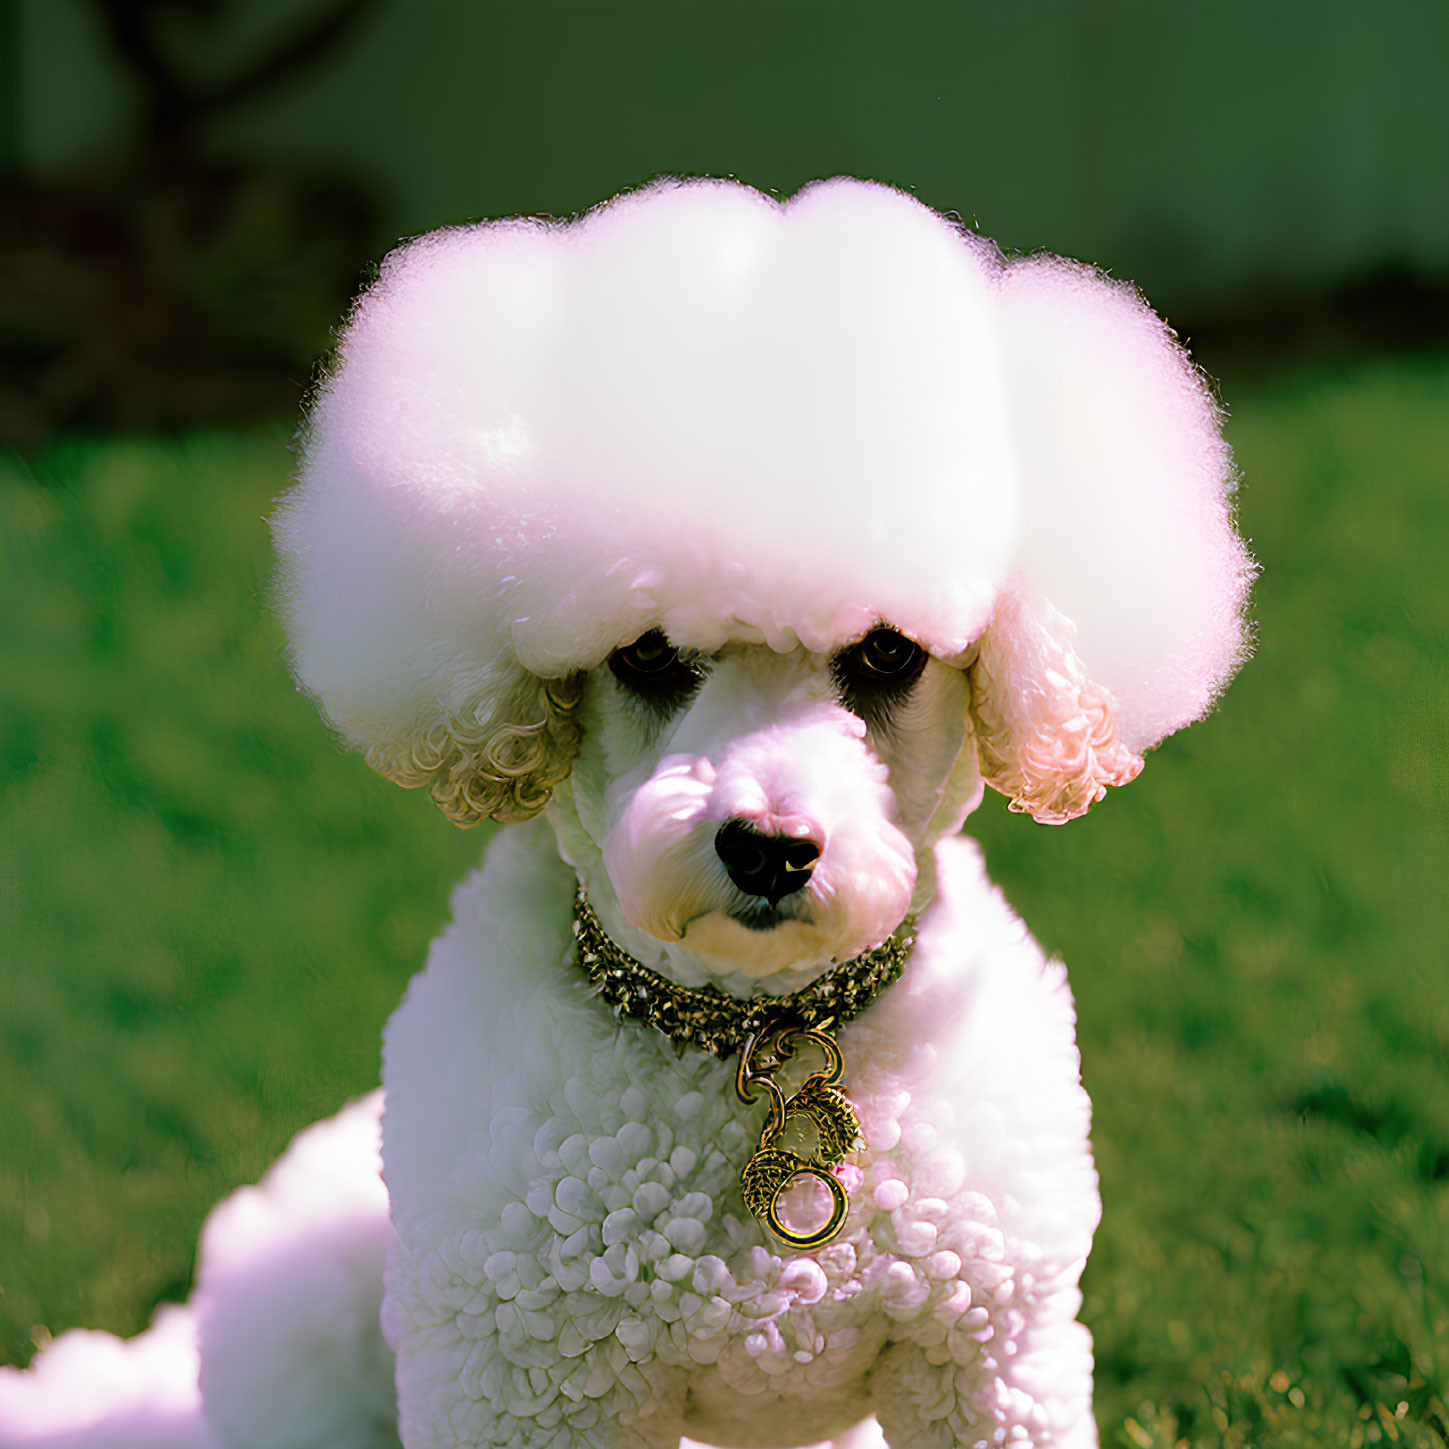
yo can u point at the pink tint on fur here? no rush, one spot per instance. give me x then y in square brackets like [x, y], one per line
[779, 422]
[1127, 498]
[90, 1390]
[1046, 733]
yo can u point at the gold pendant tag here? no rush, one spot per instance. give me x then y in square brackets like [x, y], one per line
[819, 1102]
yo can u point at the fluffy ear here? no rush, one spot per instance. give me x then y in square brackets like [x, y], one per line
[498, 756]
[1124, 620]
[1046, 736]
[412, 668]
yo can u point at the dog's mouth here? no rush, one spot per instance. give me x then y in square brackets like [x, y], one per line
[755, 913]
[758, 915]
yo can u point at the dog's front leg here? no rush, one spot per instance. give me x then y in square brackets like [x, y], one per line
[990, 1387]
[522, 1171]
[485, 1366]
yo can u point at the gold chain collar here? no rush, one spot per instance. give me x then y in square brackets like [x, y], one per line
[704, 1016]
[765, 1031]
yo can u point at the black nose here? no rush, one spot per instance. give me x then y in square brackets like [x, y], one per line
[772, 866]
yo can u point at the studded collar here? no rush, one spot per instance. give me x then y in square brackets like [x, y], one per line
[705, 1017]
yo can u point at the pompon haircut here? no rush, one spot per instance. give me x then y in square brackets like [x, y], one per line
[702, 409]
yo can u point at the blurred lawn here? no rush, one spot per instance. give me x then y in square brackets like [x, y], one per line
[208, 914]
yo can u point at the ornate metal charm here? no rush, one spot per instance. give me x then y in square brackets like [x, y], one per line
[765, 1031]
[819, 1102]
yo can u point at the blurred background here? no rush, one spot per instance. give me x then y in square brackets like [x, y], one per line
[208, 911]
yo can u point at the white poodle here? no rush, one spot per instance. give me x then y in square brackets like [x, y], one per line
[726, 548]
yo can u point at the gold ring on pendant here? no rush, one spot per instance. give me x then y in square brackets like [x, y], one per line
[818, 1237]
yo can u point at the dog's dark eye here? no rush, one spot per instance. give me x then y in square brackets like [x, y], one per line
[889, 657]
[652, 667]
[872, 674]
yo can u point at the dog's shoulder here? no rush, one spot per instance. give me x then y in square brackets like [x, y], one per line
[482, 1009]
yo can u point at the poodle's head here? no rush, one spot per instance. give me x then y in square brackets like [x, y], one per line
[752, 811]
[664, 495]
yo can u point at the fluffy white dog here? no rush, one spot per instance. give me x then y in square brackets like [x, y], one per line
[732, 546]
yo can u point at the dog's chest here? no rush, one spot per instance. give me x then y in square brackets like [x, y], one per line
[566, 1189]
[612, 1230]
[603, 1223]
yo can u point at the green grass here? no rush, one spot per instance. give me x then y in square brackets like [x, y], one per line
[208, 913]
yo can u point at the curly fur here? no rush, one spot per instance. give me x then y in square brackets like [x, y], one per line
[1046, 735]
[497, 758]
